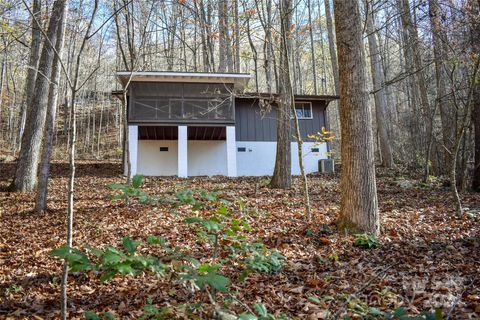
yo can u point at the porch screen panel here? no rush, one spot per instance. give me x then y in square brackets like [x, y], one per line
[181, 102]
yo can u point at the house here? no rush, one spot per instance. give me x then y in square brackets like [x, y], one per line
[202, 124]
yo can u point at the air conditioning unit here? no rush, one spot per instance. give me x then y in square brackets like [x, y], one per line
[326, 165]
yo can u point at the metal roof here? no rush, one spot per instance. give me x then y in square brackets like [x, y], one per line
[298, 97]
[239, 80]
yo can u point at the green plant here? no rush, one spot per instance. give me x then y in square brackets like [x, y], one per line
[364, 240]
[262, 259]
[90, 315]
[151, 311]
[221, 223]
[206, 274]
[111, 261]
[14, 288]
[261, 313]
[131, 190]
[399, 314]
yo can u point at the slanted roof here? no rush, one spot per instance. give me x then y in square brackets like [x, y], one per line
[298, 97]
[239, 80]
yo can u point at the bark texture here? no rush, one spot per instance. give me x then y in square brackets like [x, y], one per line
[282, 174]
[359, 208]
[379, 91]
[41, 199]
[32, 65]
[27, 165]
[331, 46]
[475, 44]
[441, 76]
[225, 56]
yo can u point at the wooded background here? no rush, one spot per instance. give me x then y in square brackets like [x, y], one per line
[422, 59]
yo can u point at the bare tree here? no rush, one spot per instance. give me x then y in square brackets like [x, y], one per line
[331, 46]
[41, 199]
[27, 165]
[474, 19]
[74, 87]
[379, 90]
[282, 174]
[32, 66]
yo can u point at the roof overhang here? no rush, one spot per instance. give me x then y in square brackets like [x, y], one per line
[239, 80]
[298, 97]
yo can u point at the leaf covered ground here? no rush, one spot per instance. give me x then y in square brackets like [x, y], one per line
[427, 257]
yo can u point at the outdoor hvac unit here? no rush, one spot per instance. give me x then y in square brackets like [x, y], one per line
[326, 165]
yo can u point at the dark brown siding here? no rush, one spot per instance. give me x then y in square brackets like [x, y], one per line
[253, 125]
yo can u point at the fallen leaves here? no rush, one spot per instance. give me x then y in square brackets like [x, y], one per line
[434, 254]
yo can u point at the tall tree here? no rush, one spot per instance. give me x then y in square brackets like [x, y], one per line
[359, 207]
[474, 17]
[32, 65]
[379, 90]
[282, 174]
[27, 165]
[441, 76]
[417, 85]
[312, 46]
[331, 46]
[41, 199]
[225, 60]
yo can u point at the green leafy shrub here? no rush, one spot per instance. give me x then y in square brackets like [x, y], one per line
[206, 274]
[111, 261]
[367, 241]
[222, 224]
[131, 191]
[90, 315]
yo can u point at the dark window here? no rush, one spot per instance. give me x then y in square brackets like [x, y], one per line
[315, 150]
[242, 149]
[163, 149]
[303, 110]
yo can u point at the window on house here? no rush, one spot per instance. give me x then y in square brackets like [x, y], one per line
[315, 150]
[303, 110]
[163, 149]
[241, 149]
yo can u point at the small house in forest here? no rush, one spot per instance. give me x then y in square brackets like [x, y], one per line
[203, 124]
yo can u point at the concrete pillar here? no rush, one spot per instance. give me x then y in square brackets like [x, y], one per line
[231, 152]
[132, 150]
[182, 152]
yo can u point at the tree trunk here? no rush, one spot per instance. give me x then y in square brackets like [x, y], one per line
[282, 174]
[41, 199]
[331, 46]
[237, 37]
[379, 89]
[222, 35]
[446, 115]
[474, 36]
[27, 165]
[32, 67]
[71, 156]
[312, 47]
[476, 123]
[359, 208]
[418, 84]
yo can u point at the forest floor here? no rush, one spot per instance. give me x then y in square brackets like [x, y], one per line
[427, 256]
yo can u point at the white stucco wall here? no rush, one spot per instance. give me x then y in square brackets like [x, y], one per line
[259, 158]
[153, 162]
[207, 158]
